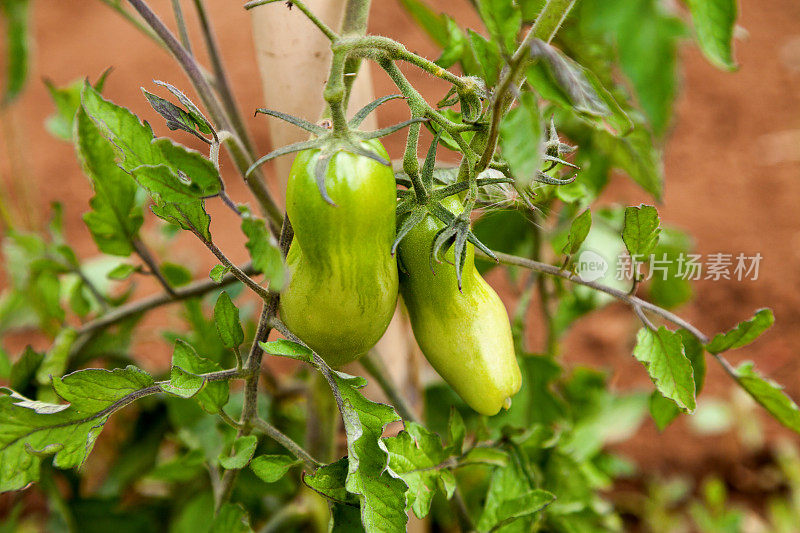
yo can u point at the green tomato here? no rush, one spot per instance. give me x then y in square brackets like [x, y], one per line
[465, 335]
[343, 287]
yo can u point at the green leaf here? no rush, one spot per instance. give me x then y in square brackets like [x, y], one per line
[562, 81]
[197, 175]
[456, 46]
[521, 139]
[231, 518]
[131, 139]
[637, 155]
[176, 275]
[647, 44]
[416, 455]
[286, 348]
[170, 171]
[122, 271]
[346, 519]
[662, 354]
[78, 299]
[16, 15]
[714, 21]
[503, 230]
[271, 468]
[24, 369]
[329, 481]
[669, 286]
[456, 431]
[5, 365]
[175, 117]
[218, 272]
[226, 318]
[578, 231]
[770, 395]
[264, 251]
[485, 456]
[509, 498]
[641, 230]
[202, 122]
[46, 298]
[743, 334]
[30, 430]
[487, 53]
[67, 101]
[380, 493]
[243, 449]
[503, 20]
[56, 359]
[696, 354]
[186, 381]
[116, 215]
[180, 469]
[189, 216]
[663, 410]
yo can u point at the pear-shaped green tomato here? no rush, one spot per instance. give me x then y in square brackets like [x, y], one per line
[343, 287]
[465, 335]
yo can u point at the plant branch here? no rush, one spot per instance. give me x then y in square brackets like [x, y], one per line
[262, 292]
[221, 78]
[193, 290]
[633, 301]
[253, 365]
[274, 433]
[143, 252]
[299, 4]
[376, 46]
[547, 24]
[116, 6]
[356, 15]
[181, 23]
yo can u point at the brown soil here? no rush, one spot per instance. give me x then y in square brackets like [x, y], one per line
[732, 165]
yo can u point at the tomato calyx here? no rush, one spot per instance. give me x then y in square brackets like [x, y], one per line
[471, 96]
[456, 233]
[329, 140]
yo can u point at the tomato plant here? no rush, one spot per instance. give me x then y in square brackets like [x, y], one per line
[254, 425]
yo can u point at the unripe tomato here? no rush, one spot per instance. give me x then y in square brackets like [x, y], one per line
[343, 287]
[465, 335]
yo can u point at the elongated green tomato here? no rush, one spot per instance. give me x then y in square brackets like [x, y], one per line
[343, 287]
[466, 336]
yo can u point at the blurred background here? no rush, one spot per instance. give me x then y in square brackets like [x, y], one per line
[732, 164]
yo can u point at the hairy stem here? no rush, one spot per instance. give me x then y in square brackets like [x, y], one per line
[252, 284]
[253, 366]
[181, 23]
[373, 46]
[547, 24]
[221, 78]
[136, 23]
[144, 253]
[356, 15]
[193, 290]
[274, 433]
[633, 301]
[299, 4]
